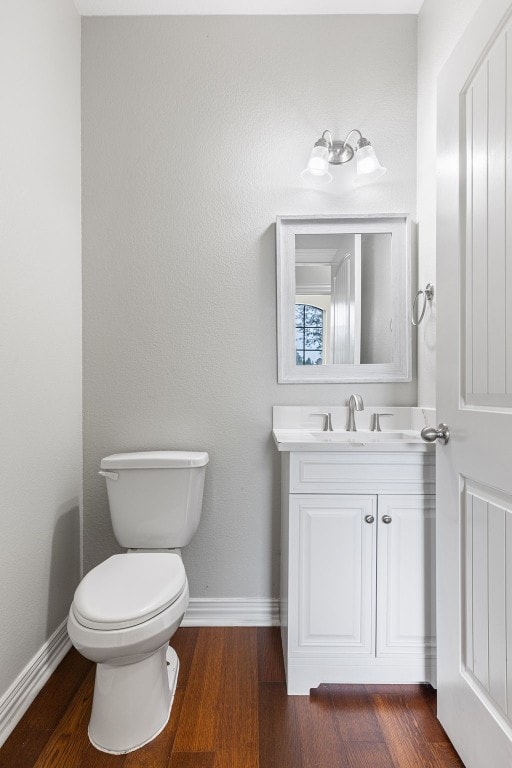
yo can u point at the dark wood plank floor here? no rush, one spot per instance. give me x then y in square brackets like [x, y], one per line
[231, 711]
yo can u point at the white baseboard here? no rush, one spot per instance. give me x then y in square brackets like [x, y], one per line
[232, 612]
[17, 699]
[201, 612]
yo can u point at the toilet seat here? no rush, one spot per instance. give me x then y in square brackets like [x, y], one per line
[128, 590]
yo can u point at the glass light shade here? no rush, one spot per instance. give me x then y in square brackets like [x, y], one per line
[318, 166]
[318, 163]
[368, 166]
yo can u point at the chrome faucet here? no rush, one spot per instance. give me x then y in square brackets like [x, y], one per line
[355, 403]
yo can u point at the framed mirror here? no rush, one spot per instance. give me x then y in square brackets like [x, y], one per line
[343, 298]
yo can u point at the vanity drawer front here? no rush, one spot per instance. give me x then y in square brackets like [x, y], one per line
[399, 472]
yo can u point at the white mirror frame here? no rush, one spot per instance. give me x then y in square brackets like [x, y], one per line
[399, 369]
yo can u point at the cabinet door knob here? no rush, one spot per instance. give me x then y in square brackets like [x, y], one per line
[369, 519]
[386, 519]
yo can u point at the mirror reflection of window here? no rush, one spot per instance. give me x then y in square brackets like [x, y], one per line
[313, 289]
[309, 334]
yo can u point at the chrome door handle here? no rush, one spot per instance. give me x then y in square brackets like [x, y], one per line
[386, 519]
[431, 434]
[369, 519]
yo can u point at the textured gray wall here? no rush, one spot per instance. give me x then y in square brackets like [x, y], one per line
[194, 134]
[40, 325]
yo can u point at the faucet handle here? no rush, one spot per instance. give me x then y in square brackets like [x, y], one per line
[375, 426]
[327, 421]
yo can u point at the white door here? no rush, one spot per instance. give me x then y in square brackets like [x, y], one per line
[346, 307]
[474, 364]
[341, 337]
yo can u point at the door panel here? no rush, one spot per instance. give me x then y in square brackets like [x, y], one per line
[335, 571]
[487, 167]
[487, 560]
[474, 390]
[406, 575]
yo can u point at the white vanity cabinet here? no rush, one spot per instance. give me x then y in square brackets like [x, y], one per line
[357, 567]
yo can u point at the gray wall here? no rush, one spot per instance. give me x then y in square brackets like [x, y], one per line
[195, 131]
[440, 25]
[40, 324]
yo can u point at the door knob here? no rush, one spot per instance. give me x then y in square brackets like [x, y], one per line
[387, 519]
[369, 519]
[431, 434]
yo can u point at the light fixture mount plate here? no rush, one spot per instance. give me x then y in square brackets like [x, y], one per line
[340, 152]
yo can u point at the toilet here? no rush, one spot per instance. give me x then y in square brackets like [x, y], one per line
[125, 611]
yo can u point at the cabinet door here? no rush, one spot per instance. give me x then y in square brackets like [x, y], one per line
[332, 570]
[405, 575]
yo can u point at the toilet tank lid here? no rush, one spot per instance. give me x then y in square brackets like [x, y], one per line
[155, 460]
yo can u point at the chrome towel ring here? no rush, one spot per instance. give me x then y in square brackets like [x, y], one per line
[428, 295]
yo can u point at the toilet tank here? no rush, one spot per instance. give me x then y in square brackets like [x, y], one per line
[155, 497]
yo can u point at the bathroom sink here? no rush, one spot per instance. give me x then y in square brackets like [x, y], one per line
[361, 436]
[341, 440]
[298, 428]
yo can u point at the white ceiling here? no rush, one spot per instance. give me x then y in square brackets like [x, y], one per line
[242, 7]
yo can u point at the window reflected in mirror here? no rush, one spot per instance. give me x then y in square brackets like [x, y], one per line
[309, 334]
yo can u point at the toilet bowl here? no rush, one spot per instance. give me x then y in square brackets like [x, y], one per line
[123, 614]
[125, 611]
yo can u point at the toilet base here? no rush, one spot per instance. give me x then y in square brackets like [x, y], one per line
[132, 702]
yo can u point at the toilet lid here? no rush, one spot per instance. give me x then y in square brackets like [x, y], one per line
[126, 590]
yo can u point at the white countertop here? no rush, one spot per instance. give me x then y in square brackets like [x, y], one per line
[298, 428]
[340, 441]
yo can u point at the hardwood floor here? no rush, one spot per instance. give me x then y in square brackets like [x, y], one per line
[231, 711]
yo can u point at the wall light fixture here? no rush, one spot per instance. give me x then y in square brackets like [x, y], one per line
[334, 152]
